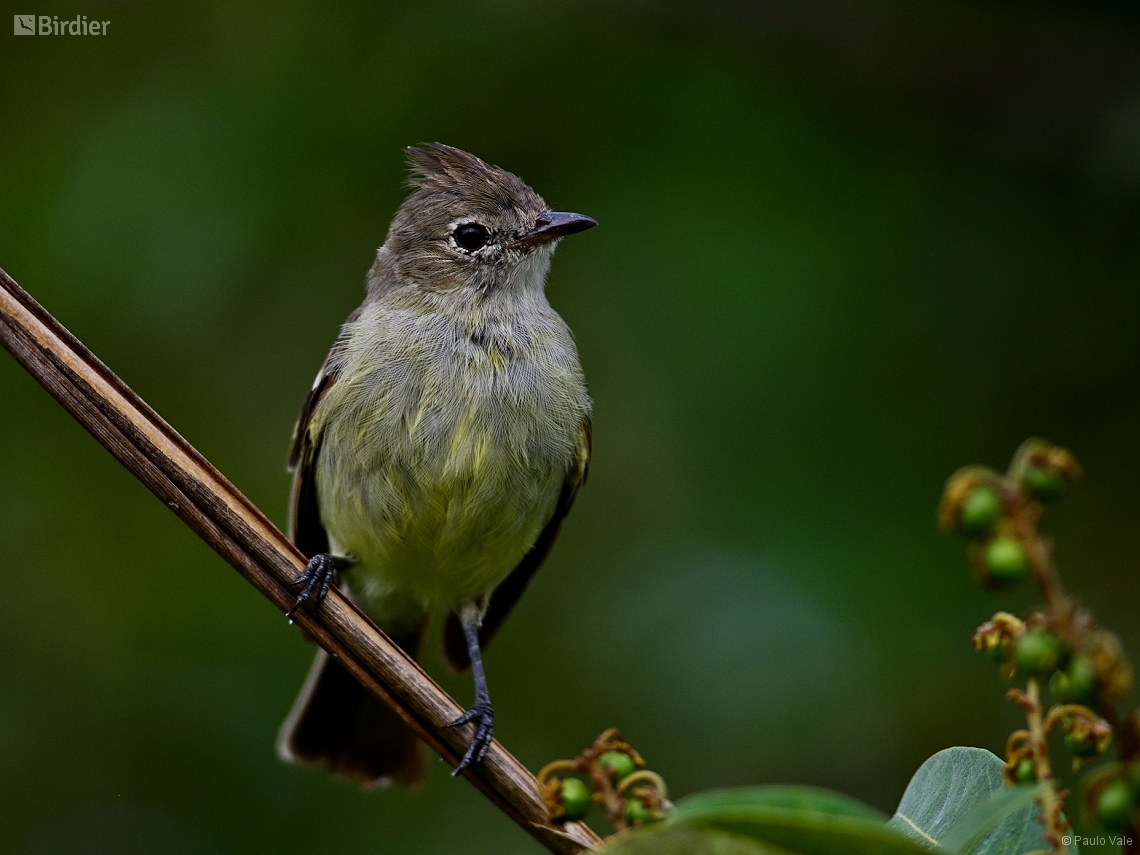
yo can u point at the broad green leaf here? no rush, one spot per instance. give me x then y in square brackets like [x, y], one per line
[973, 827]
[670, 838]
[943, 789]
[803, 820]
[958, 801]
[792, 797]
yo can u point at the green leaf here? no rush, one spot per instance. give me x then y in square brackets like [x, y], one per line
[1009, 813]
[944, 788]
[958, 801]
[803, 820]
[669, 838]
[810, 799]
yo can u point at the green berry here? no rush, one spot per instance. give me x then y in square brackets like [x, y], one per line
[617, 764]
[1077, 684]
[1114, 806]
[575, 798]
[637, 812]
[1081, 746]
[1044, 483]
[1026, 772]
[979, 511]
[1038, 653]
[1006, 560]
[1061, 688]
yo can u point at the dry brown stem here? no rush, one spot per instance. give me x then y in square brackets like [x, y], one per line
[1052, 802]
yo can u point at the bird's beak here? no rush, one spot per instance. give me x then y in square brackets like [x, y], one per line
[551, 226]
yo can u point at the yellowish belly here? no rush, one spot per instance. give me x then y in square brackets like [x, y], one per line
[436, 533]
[440, 458]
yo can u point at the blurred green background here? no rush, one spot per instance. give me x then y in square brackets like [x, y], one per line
[845, 247]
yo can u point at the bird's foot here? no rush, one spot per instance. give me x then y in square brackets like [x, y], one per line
[482, 715]
[317, 577]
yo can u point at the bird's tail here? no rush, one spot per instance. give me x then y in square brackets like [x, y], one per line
[336, 722]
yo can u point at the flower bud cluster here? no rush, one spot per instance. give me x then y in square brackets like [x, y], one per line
[1059, 645]
[1094, 674]
[610, 774]
[983, 506]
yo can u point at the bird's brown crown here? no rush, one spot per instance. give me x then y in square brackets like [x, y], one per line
[441, 169]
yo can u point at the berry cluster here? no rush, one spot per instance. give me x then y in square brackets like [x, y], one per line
[986, 508]
[610, 773]
[1087, 673]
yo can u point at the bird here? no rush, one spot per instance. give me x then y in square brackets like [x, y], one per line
[437, 453]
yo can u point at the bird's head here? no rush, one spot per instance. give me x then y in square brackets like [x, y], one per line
[471, 228]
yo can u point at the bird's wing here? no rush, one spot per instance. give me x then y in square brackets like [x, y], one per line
[511, 588]
[305, 529]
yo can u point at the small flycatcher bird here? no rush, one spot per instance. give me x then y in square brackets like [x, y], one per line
[439, 450]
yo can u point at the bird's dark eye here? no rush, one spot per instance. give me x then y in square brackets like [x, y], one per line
[471, 236]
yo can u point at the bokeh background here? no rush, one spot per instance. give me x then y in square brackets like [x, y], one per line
[845, 247]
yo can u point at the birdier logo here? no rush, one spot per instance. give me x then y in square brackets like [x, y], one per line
[51, 25]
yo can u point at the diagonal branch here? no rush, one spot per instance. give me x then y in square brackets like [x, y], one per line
[185, 481]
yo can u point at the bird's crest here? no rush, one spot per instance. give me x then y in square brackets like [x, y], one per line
[438, 168]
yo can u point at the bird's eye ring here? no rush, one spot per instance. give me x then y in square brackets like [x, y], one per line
[471, 236]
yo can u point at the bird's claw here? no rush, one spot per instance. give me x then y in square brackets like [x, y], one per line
[482, 715]
[317, 576]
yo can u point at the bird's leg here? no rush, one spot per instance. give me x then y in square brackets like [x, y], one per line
[317, 576]
[480, 712]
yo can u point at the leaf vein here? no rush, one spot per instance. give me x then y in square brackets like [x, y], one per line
[911, 823]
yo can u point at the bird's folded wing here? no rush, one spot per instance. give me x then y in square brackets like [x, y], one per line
[305, 529]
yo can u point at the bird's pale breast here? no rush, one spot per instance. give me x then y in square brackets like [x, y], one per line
[443, 450]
